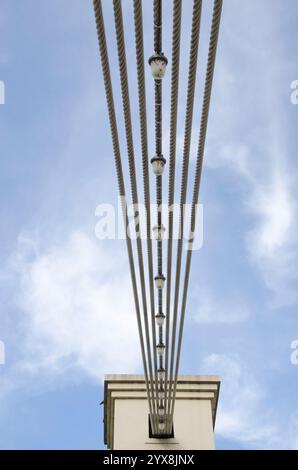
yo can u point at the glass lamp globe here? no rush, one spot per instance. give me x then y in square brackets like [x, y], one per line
[160, 349]
[161, 373]
[161, 394]
[160, 319]
[158, 232]
[161, 426]
[158, 64]
[158, 164]
[160, 281]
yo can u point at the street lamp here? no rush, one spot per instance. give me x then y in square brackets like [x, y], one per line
[158, 164]
[158, 64]
[160, 281]
[161, 373]
[160, 349]
[160, 319]
[158, 231]
[161, 425]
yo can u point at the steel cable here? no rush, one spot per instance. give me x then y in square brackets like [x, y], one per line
[193, 59]
[138, 20]
[120, 179]
[132, 172]
[176, 36]
[217, 9]
[170, 377]
[157, 18]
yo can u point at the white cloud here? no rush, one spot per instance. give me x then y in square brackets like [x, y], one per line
[272, 243]
[234, 157]
[253, 152]
[78, 314]
[241, 414]
[212, 310]
[268, 197]
[245, 412]
[276, 211]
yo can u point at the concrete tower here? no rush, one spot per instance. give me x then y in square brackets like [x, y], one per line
[126, 414]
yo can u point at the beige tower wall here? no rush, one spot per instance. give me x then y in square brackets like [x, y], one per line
[126, 414]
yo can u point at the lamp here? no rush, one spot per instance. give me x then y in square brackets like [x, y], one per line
[158, 64]
[160, 348]
[158, 164]
[160, 319]
[158, 231]
[159, 281]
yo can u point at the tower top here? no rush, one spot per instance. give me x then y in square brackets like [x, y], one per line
[126, 423]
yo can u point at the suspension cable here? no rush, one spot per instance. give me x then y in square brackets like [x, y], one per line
[138, 20]
[157, 14]
[217, 9]
[132, 172]
[193, 59]
[161, 379]
[120, 179]
[176, 36]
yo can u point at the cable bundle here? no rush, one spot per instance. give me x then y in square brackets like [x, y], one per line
[160, 349]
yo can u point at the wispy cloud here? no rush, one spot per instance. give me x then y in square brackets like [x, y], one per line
[269, 198]
[71, 319]
[248, 146]
[211, 309]
[272, 242]
[243, 415]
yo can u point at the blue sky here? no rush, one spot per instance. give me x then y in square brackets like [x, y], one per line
[67, 316]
